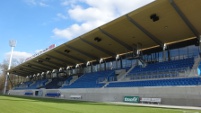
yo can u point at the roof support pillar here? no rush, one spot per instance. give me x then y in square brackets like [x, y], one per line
[60, 60]
[185, 19]
[135, 49]
[115, 39]
[151, 36]
[37, 66]
[97, 47]
[164, 52]
[69, 56]
[200, 44]
[91, 67]
[82, 52]
[121, 63]
[139, 46]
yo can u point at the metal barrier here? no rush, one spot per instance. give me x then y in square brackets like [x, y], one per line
[167, 73]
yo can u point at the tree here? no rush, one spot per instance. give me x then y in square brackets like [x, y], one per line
[3, 71]
[3, 68]
[2, 81]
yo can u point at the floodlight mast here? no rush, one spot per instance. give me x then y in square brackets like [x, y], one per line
[12, 44]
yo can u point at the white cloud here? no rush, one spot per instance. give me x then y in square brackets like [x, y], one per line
[93, 14]
[30, 2]
[39, 50]
[41, 3]
[69, 2]
[62, 16]
[90, 14]
[18, 56]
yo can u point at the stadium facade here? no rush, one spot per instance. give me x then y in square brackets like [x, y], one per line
[150, 55]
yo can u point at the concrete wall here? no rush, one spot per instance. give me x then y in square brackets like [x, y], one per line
[180, 95]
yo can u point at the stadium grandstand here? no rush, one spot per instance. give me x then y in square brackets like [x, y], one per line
[150, 55]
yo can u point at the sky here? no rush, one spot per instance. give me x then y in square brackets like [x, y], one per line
[37, 24]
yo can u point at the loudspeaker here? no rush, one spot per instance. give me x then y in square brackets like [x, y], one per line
[154, 17]
[97, 39]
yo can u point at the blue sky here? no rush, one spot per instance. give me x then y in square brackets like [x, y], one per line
[36, 24]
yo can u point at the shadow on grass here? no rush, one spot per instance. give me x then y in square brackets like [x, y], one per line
[48, 100]
[57, 100]
[17, 100]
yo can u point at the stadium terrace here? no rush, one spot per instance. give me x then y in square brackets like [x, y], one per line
[150, 55]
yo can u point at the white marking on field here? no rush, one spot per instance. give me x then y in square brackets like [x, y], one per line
[190, 112]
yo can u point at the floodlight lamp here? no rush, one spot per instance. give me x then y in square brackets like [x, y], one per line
[60, 69]
[200, 38]
[117, 57]
[101, 60]
[88, 63]
[54, 70]
[77, 65]
[12, 43]
[138, 52]
[164, 46]
[68, 67]
[48, 72]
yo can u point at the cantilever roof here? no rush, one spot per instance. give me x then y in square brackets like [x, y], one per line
[178, 20]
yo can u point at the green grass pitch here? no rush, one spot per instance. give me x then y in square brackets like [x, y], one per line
[11, 104]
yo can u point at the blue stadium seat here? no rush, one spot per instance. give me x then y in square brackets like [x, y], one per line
[163, 82]
[55, 83]
[28, 93]
[161, 69]
[38, 84]
[53, 94]
[92, 80]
